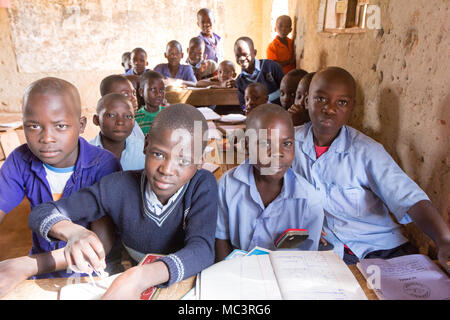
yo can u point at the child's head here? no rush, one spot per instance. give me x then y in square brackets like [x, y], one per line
[195, 50]
[52, 121]
[288, 87]
[283, 26]
[134, 79]
[275, 156]
[245, 53]
[174, 53]
[152, 89]
[119, 84]
[126, 61]
[254, 95]
[226, 71]
[205, 21]
[174, 153]
[115, 117]
[330, 100]
[138, 60]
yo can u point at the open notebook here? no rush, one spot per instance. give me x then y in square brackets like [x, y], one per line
[311, 275]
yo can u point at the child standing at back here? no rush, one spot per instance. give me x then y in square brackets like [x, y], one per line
[115, 117]
[282, 48]
[54, 163]
[359, 182]
[264, 71]
[213, 44]
[263, 197]
[173, 69]
[171, 209]
[152, 89]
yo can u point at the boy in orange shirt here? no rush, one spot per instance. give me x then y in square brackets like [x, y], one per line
[282, 48]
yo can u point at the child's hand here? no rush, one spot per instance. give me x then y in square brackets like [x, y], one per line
[444, 256]
[84, 248]
[230, 83]
[322, 239]
[12, 273]
[126, 286]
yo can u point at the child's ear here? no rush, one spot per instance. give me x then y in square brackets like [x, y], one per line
[83, 122]
[165, 55]
[141, 92]
[96, 120]
[255, 51]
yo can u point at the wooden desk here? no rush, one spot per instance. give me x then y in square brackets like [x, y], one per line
[204, 97]
[48, 289]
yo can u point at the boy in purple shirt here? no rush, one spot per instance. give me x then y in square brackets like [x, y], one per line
[213, 43]
[54, 163]
[173, 69]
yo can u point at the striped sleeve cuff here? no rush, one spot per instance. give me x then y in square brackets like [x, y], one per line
[176, 269]
[48, 223]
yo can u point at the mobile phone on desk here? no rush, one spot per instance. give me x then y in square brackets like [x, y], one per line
[291, 238]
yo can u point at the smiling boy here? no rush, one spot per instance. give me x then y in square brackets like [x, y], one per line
[171, 209]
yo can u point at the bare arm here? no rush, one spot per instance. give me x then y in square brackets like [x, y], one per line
[223, 249]
[431, 223]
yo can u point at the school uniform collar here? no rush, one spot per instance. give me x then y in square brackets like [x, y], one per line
[291, 182]
[257, 70]
[340, 144]
[196, 66]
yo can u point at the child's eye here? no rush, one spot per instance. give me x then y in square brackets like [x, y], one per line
[342, 103]
[34, 126]
[61, 126]
[319, 99]
[110, 115]
[158, 155]
[129, 117]
[184, 162]
[287, 143]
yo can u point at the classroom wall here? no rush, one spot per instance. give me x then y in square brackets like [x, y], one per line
[65, 38]
[403, 76]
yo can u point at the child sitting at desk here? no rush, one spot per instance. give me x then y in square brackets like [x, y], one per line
[358, 180]
[120, 84]
[255, 95]
[261, 198]
[115, 117]
[173, 69]
[298, 110]
[169, 208]
[203, 68]
[152, 89]
[126, 61]
[225, 77]
[213, 43]
[264, 71]
[282, 48]
[55, 162]
[288, 87]
[139, 62]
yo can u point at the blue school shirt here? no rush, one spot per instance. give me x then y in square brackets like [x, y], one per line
[137, 132]
[359, 183]
[185, 72]
[130, 72]
[267, 72]
[243, 219]
[133, 157]
[23, 174]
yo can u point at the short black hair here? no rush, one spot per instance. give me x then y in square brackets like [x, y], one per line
[55, 86]
[147, 76]
[180, 116]
[203, 11]
[196, 41]
[268, 109]
[297, 73]
[283, 17]
[109, 97]
[126, 56]
[260, 86]
[174, 43]
[136, 50]
[106, 84]
[247, 40]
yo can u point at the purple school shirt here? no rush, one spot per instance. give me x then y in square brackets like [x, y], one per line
[23, 174]
[212, 50]
[185, 72]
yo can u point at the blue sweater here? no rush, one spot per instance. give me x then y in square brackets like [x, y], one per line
[184, 232]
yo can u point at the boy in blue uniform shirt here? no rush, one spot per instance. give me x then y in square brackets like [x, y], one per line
[115, 117]
[359, 181]
[55, 162]
[261, 198]
[169, 208]
[138, 61]
[264, 71]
